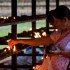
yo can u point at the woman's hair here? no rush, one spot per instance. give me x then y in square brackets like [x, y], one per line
[60, 12]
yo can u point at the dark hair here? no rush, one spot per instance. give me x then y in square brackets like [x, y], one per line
[60, 12]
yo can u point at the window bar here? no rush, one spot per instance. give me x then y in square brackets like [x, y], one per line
[14, 31]
[33, 29]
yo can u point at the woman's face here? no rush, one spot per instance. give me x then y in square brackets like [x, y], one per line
[58, 23]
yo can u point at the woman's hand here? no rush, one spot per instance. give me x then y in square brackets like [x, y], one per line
[11, 43]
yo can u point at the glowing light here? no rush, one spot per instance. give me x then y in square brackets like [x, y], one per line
[42, 58]
[30, 29]
[51, 29]
[7, 17]
[14, 49]
[36, 67]
[37, 35]
[14, 18]
[8, 48]
[8, 40]
[1, 17]
[5, 50]
[4, 17]
[50, 25]
[33, 67]
[47, 56]
[56, 29]
[44, 34]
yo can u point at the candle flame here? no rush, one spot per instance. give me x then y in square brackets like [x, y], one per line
[36, 67]
[14, 17]
[44, 34]
[5, 50]
[14, 49]
[37, 35]
[8, 47]
[33, 67]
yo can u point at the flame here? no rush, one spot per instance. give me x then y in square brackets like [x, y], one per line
[14, 17]
[7, 17]
[8, 47]
[2, 17]
[37, 35]
[5, 50]
[44, 34]
[56, 29]
[36, 67]
[14, 49]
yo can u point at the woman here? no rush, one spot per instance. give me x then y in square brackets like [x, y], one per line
[60, 19]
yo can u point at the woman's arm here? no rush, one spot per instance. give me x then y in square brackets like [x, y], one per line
[65, 54]
[32, 42]
[61, 53]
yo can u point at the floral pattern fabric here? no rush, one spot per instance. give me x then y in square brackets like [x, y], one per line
[57, 62]
[60, 62]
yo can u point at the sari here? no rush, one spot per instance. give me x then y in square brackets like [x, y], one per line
[57, 62]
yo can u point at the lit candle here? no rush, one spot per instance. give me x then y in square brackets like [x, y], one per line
[8, 48]
[14, 49]
[33, 67]
[5, 50]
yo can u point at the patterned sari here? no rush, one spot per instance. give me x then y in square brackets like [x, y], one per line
[57, 62]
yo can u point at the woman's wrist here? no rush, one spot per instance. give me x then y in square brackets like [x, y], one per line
[60, 53]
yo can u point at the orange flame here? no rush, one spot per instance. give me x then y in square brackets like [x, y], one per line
[14, 49]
